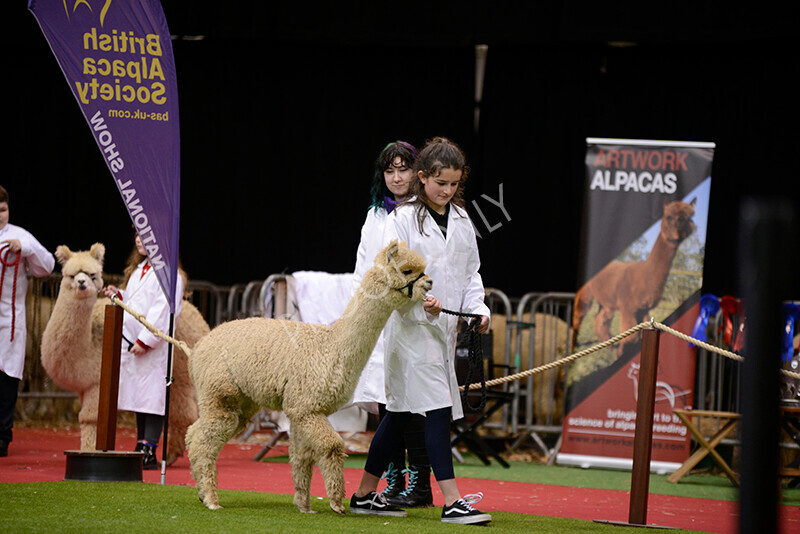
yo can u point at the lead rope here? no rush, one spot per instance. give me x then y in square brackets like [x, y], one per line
[15, 264]
[475, 360]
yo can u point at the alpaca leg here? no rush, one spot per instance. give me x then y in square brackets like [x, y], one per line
[87, 418]
[331, 465]
[183, 412]
[602, 324]
[205, 439]
[317, 439]
[183, 408]
[301, 458]
[627, 321]
[583, 301]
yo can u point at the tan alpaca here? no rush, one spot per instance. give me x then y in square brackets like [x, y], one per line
[306, 370]
[634, 288]
[72, 346]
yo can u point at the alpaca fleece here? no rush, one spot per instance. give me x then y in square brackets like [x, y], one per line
[306, 370]
[72, 347]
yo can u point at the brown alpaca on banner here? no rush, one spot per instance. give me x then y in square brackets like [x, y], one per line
[634, 288]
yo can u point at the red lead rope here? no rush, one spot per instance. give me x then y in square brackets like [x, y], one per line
[4, 252]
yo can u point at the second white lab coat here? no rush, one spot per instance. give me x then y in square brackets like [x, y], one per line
[142, 379]
[370, 390]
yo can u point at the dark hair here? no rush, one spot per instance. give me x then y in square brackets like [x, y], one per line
[407, 154]
[437, 154]
[3, 194]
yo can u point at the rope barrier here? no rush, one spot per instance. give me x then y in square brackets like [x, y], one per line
[517, 376]
[139, 317]
[619, 337]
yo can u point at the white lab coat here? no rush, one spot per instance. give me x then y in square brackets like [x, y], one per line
[420, 349]
[142, 379]
[370, 390]
[37, 261]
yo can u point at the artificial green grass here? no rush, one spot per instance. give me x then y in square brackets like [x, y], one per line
[133, 507]
[703, 486]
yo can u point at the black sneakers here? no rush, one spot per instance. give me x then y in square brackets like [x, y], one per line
[149, 462]
[462, 512]
[374, 503]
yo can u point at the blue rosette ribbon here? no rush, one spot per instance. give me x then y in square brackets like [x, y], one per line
[791, 313]
[709, 306]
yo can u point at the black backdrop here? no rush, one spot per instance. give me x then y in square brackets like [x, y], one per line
[283, 109]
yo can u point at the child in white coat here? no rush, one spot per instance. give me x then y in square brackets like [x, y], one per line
[20, 255]
[420, 342]
[143, 360]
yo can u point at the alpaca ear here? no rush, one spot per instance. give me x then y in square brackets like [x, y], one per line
[391, 251]
[63, 253]
[693, 202]
[98, 252]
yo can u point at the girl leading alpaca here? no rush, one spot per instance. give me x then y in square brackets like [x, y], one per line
[420, 341]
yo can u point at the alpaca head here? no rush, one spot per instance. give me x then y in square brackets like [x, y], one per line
[82, 271]
[398, 273]
[677, 223]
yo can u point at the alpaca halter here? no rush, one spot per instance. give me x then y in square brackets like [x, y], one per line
[410, 285]
[15, 264]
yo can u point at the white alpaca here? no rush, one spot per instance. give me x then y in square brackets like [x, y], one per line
[72, 347]
[308, 371]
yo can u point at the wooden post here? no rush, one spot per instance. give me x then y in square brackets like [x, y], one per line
[109, 379]
[643, 440]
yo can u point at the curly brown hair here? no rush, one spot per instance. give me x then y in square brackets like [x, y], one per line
[437, 154]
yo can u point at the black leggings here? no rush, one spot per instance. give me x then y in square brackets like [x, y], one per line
[437, 441]
[8, 401]
[149, 427]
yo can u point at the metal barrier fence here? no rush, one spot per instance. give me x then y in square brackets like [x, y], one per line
[542, 334]
[718, 378]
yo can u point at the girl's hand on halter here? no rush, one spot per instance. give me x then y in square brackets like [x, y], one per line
[13, 245]
[484, 325]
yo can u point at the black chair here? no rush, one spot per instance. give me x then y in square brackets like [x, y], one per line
[479, 404]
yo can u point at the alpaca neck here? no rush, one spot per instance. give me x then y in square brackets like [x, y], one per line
[359, 328]
[660, 258]
[74, 317]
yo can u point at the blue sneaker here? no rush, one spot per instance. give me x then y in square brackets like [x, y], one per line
[375, 504]
[462, 512]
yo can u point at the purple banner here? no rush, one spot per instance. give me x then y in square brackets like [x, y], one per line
[117, 58]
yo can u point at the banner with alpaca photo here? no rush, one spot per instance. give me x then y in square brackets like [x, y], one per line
[642, 253]
[116, 56]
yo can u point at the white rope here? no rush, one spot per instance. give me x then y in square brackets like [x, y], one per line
[619, 337]
[156, 332]
[542, 368]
